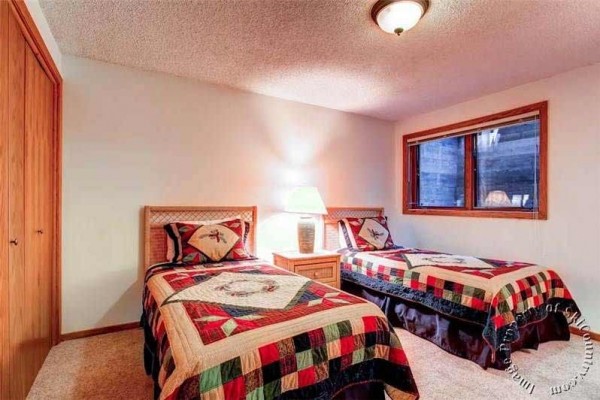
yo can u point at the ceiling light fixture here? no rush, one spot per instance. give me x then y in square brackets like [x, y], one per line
[397, 16]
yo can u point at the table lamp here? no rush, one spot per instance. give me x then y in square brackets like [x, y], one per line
[307, 201]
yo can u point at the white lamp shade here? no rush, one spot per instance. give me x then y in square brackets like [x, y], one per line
[401, 15]
[305, 200]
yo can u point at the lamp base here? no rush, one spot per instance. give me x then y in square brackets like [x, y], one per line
[306, 235]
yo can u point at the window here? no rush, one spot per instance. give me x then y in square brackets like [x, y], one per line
[442, 173]
[494, 166]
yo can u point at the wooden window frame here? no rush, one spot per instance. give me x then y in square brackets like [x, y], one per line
[409, 191]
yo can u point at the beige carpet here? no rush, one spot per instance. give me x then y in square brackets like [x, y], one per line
[110, 367]
[100, 367]
[440, 375]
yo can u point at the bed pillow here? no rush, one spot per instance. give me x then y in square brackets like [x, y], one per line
[208, 243]
[173, 243]
[367, 234]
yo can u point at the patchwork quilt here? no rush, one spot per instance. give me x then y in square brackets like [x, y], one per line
[250, 330]
[498, 295]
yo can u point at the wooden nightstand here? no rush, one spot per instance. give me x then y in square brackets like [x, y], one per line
[322, 266]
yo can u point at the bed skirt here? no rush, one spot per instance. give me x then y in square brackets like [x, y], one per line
[360, 391]
[461, 338]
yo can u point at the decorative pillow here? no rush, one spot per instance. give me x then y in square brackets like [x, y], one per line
[367, 234]
[205, 243]
[172, 242]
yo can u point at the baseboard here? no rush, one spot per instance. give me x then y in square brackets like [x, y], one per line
[99, 331]
[593, 335]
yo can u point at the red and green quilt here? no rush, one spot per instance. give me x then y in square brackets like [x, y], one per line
[249, 330]
[496, 294]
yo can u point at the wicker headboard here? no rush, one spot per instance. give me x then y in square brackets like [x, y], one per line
[155, 217]
[334, 214]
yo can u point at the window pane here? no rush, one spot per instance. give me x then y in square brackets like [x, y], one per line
[442, 173]
[507, 162]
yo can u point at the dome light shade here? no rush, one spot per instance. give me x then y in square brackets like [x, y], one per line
[397, 16]
[305, 200]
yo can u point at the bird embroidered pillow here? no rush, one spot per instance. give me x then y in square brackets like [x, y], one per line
[206, 243]
[367, 234]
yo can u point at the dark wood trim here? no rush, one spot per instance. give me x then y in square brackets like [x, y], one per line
[576, 331]
[36, 42]
[461, 212]
[99, 331]
[543, 189]
[406, 196]
[414, 168]
[469, 173]
[469, 210]
[480, 120]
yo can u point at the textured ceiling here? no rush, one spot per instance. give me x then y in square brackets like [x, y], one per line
[330, 53]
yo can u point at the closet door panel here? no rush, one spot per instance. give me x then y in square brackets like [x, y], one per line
[46, 229]
[4, 238]
[38, 205]
[32, 282]
[19, 324]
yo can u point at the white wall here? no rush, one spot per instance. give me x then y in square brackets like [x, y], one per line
[42, 24]
[569, 241]
[133, 138]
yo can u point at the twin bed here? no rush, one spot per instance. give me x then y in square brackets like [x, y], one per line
[478, 309]
[247, 329]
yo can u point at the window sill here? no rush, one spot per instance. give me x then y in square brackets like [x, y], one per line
[538, 215]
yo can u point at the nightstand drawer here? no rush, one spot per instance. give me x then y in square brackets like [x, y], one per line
[321, 271]
[322, 266]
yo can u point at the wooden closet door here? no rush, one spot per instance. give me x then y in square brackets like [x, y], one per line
[29, 138]
[20, 356]
[4, 185]
[39, 204]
